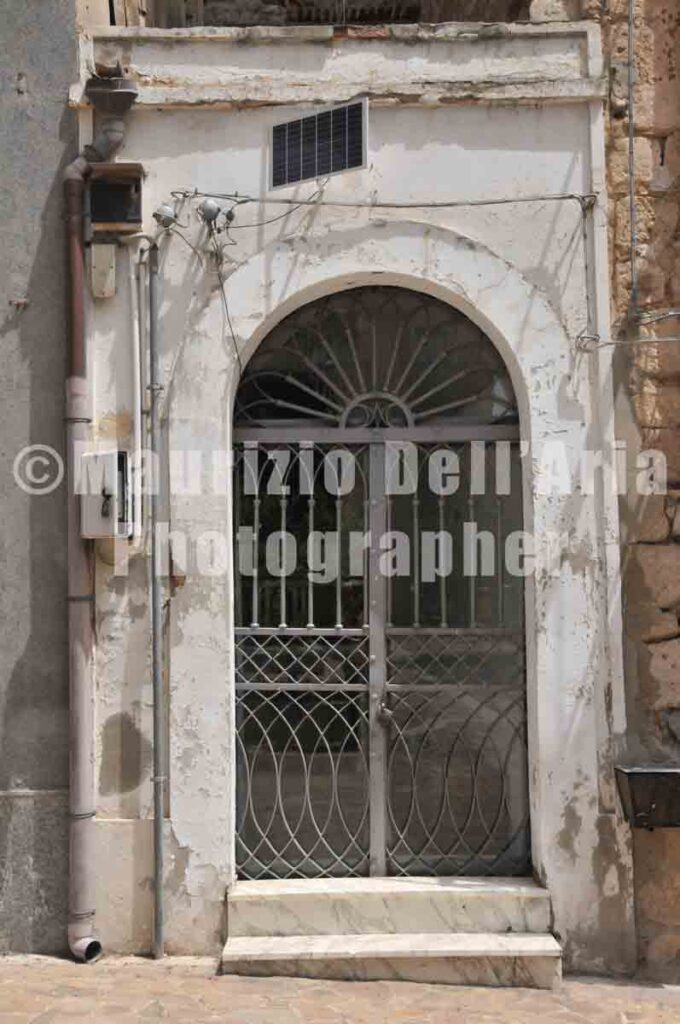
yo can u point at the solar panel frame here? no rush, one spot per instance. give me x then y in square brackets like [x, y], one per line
[329, 141]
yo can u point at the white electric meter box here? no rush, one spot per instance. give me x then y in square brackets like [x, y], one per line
[105, 495]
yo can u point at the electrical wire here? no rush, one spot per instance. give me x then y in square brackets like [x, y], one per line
[655, 318]
[272, 220]
[630, 342]
[584, 200]
[230, 226]
[197, 253]
[223, 293]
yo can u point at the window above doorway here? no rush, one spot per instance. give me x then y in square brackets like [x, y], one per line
[376, 357]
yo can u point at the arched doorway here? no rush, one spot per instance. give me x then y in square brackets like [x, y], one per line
[380, 681]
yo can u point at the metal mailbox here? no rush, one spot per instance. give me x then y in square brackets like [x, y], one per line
[650, 795]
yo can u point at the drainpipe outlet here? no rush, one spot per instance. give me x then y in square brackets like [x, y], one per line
[87, 950]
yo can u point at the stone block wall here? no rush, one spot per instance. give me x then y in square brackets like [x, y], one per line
[648, 400]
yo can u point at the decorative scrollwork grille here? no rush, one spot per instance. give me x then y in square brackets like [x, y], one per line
[376, 357]
[456, 763]
[302, 754]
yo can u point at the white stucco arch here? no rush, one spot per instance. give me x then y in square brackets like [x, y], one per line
[287, 274]
[576, 845]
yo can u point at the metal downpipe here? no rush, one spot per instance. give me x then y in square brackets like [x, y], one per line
[155, 390]
[82, 939]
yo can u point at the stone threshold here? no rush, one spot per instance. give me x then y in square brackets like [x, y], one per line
[527, 888]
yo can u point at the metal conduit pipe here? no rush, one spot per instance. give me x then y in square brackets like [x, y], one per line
[82, 938]
[134, 267]
[138, 266]
[155, 389]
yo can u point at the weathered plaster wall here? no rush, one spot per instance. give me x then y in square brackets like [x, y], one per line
[37, 63]
[454, 113]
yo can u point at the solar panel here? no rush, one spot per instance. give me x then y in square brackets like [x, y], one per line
[318, 145]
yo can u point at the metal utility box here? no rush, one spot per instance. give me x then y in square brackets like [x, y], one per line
[650, 795]
[103, 270]
[105, 495]
[115, 198]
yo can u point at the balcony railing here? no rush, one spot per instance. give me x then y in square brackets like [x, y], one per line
[333, 12]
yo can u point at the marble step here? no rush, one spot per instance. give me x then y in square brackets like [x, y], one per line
[337, 906]
[532, 961]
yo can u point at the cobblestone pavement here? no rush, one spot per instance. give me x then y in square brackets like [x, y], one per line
[41, 990]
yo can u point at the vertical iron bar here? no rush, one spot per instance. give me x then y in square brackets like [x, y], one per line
[377, 669]
[500, 568]
[256, 556]
[416, 561]
[310, 580]
[443, 618]
[282, 585]
[306, 466]
[415, 574]
[338, 578]
[238, 610]
[366, 556]
[473, 565]
[388, 582]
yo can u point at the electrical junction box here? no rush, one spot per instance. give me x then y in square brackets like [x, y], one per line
[115, 198]
[103, 270]
[105, 496]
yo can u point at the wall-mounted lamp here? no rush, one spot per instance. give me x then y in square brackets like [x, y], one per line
[165, 216]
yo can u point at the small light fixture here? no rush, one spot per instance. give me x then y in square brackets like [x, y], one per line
[164, 215]
[209, 211]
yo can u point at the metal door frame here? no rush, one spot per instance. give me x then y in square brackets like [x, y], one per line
[377, 677]
[379, 713]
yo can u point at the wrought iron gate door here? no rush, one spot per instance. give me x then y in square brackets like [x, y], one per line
[380, 691]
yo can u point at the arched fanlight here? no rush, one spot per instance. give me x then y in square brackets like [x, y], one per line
[375, 357]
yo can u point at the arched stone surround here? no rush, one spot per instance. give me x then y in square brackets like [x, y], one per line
[580, 848]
